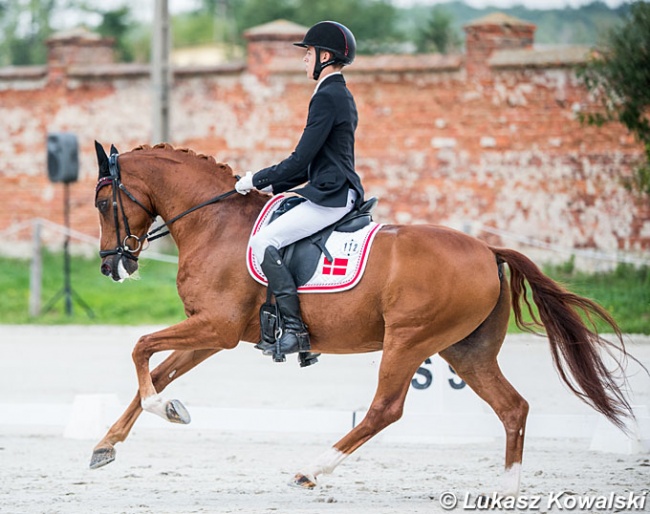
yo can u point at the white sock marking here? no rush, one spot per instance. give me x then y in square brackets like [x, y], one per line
[155, 404]
[511, 480]
[325, 463]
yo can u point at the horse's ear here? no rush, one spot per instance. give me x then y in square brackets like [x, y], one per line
[113, 150]
[102, 160]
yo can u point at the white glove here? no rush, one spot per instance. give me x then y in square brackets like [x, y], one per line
[245, 184]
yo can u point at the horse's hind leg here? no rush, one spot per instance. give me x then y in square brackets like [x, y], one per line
[474, 359]
[489, 383]
[177, 364]
[395, 373]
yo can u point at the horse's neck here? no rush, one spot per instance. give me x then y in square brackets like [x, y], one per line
[227, 221]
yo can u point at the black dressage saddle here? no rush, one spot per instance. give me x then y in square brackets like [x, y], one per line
[302, 257]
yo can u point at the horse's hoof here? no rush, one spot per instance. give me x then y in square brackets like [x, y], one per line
[177, 413]
[101, 457]
[303, 481]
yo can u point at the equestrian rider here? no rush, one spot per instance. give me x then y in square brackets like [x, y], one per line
[323, 161]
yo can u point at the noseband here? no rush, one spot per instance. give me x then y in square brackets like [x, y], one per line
[122, 247]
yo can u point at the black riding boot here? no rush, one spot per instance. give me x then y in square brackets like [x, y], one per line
[295, 337]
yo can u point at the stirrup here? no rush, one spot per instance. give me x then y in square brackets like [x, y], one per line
[273, 350]
[307, 358]
[277, 355]
[300, 344]
[265, 346]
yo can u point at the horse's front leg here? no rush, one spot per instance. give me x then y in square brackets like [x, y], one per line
[192, 334]
[177, 364]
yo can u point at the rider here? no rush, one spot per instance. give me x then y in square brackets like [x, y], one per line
[324, 159]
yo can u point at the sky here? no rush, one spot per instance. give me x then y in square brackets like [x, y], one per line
[531, 4]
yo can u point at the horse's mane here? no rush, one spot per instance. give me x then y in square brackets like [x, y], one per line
[187, 151]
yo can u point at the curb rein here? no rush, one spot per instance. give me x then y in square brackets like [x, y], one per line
[122, 247]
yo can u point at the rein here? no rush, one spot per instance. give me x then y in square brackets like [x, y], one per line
[122, 247]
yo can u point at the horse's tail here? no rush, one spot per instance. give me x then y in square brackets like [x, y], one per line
[575, 343]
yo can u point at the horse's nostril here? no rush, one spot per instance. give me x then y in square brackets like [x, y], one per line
[106, 269]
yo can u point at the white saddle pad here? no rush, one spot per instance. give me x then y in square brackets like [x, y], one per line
[349, 250]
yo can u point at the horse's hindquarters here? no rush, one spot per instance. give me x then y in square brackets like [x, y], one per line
[434, 285]
[441, 280]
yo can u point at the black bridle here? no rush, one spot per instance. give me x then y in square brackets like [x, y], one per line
[122, 247]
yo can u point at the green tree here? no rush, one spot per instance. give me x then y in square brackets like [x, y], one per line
[24, 27]
[250, 13]
[618, 75]
[132, 39]
[371, 21]
[117, 24]
[439, 34]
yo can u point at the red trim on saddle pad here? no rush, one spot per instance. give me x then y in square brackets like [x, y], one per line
[349, 250]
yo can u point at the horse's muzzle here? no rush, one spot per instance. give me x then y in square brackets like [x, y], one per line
[106, 269]
[118, 268]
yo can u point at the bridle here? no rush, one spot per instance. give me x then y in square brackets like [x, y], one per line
[123, 249]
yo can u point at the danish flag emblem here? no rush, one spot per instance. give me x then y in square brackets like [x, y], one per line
[339, 267]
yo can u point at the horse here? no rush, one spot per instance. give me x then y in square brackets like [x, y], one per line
[427, 290]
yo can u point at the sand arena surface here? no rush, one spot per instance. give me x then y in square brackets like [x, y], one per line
[163, 468]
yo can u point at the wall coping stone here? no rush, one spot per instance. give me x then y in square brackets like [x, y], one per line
[135, 70]
[276, 30]
[499, 19]
[563, 56]
[23, 72]
[366, 64]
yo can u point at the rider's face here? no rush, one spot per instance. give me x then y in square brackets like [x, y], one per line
[310, 61]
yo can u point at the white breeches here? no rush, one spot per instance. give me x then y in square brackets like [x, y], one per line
[301, 221]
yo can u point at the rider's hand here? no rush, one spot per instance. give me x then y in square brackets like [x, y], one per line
[245, 184]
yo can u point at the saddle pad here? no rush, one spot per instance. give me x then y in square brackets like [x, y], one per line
[349, 250]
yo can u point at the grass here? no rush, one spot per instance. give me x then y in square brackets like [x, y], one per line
[624, 292]
[152, 300]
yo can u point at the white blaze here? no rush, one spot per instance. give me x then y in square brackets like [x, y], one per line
[121, 271]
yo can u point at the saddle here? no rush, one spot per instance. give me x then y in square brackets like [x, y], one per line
[302, 257]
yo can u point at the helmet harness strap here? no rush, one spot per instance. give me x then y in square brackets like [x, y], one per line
[319, 66]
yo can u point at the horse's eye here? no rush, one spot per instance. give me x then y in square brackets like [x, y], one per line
[102, 205]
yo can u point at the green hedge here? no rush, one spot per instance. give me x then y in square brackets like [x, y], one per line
[624, 292]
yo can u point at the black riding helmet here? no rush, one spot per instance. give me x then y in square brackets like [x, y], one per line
[333, 37]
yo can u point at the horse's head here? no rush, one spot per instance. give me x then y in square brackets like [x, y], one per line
[124, 219]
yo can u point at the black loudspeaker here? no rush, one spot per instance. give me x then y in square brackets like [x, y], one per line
[62, 157]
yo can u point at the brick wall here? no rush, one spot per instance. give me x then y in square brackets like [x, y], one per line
[486, 142]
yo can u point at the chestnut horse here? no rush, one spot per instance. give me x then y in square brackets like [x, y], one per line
[426, 290]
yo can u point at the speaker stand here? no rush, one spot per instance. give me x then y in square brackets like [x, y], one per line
[67, 292]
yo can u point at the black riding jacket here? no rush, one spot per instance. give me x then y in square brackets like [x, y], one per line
[324, 157]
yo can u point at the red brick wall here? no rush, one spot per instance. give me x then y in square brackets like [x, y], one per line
[438, 141]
